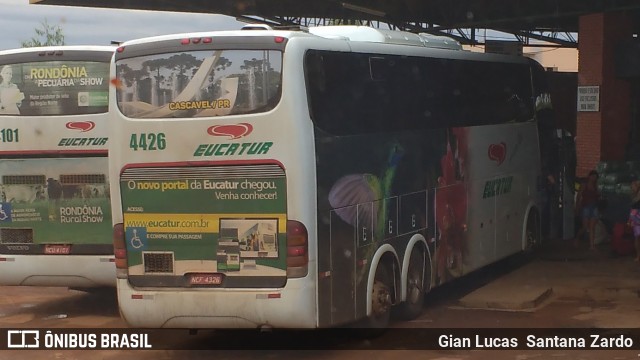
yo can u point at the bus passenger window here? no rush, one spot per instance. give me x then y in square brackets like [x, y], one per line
[316, 76]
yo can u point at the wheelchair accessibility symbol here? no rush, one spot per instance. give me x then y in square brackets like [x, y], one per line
[137, 237]
[135, 240]
[5, 212]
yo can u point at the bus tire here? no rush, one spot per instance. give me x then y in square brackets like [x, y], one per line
[533, 235]
[381, 300]
[419, 270]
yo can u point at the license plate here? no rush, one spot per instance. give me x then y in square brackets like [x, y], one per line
[205, 279]
[57, 249]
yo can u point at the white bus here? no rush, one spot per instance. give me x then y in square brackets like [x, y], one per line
[55, 214]
[299, 179]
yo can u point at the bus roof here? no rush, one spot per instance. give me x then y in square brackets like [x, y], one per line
[369, 34]
[338, 32]
[57, 53]
[229, 33]
[58, 48]
[358, 38]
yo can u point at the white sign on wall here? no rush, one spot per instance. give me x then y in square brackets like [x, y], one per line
[588, 98]
[503, 47]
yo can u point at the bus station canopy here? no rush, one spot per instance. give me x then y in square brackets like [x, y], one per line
[519, 17]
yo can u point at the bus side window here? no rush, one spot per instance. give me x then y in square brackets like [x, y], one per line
[514, 103]
[335, 95]
[316, 87]
[316, 76]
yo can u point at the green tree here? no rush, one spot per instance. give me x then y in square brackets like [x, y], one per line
[46, 35]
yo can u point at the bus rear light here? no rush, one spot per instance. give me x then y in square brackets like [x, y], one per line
[120, 49]
[142, 296]
[296, 261]
[118, 240]
[120, 251]
[296, 234]
[268, 296]
[297, 249]
[278, 39]
[204, 40]
[121, 264]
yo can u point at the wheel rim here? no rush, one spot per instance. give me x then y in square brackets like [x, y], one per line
[381, 299]
[414, 283]
[415, 288]
[531, 239]
[532, 234]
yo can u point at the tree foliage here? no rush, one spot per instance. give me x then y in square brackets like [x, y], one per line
[46, 35]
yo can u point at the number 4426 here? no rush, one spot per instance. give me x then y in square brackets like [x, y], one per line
[150, 141]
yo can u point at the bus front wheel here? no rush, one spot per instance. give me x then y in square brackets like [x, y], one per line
[381, 298]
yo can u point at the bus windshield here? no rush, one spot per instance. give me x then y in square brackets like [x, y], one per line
[199, 83]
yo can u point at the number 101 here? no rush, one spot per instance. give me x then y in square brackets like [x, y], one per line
[9, 135]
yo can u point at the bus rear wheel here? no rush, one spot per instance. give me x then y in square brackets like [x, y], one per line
[417, 273]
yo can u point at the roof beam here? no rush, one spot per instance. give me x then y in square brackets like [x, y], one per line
[551, 39]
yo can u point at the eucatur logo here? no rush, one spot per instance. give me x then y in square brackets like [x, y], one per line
[235, 131]
[498, 152]
[83, 126]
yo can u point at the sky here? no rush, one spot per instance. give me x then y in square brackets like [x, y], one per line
[94, 26]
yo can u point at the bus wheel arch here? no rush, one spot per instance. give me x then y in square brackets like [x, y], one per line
[416, 279]
[382, 287]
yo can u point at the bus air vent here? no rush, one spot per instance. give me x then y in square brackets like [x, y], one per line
[16, 236]
[158, 262]
[83, 179]
[24, 179]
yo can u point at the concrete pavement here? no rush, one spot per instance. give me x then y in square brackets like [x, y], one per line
[561, 271]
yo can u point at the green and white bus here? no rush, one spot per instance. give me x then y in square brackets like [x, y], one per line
[55, 214]
[304, 179]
